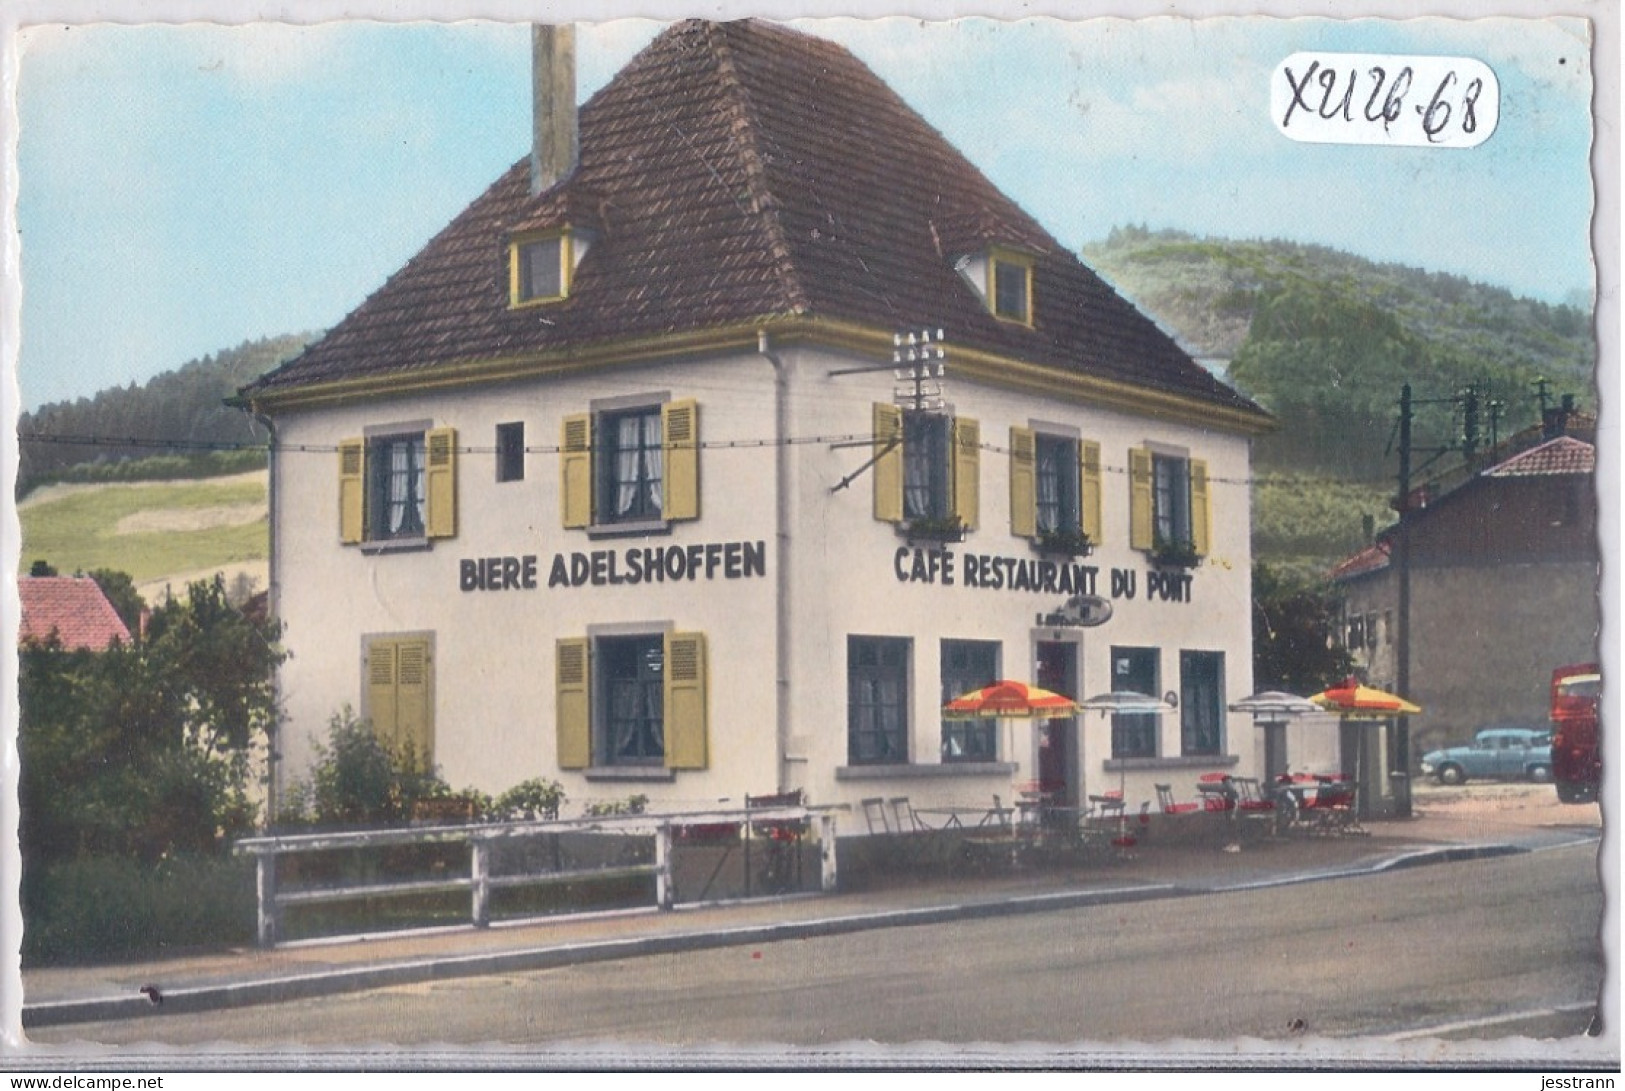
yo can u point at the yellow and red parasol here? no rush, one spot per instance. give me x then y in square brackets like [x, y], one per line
[1007, 699]
[1353, 701]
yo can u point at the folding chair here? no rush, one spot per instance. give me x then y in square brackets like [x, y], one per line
[902, 813]
[874, 813]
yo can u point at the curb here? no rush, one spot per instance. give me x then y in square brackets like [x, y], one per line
[201, 998]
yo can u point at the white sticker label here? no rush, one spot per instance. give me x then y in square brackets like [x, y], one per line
[1371, 98]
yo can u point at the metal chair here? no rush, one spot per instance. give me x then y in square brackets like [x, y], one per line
[1165, 800]
[874, 813]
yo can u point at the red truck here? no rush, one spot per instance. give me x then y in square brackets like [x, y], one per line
[1576, 736]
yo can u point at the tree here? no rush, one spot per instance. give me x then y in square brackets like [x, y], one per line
[144, 750]
[120, 591]
[1294, 622]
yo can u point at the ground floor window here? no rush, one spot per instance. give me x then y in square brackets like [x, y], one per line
[1134, 734]
[969, 665]
[1201, 702]
[877, 700]
[398, 699]
[638, 699]
[632, 677]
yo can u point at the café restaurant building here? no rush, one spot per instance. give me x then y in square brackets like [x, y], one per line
[617, 482]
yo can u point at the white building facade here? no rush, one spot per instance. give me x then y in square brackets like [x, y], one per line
[726, 550]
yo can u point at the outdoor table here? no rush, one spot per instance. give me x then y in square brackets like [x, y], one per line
[939, 822]
[1319, 805]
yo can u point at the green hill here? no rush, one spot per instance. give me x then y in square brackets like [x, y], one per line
[1325, 339]
[179, 415]
[161, 533]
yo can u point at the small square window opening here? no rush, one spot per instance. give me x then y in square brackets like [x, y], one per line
[511, 451]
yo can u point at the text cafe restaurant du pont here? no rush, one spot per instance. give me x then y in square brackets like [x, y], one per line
[586, 514]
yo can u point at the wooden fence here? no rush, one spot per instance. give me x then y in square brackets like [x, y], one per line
[482, 840]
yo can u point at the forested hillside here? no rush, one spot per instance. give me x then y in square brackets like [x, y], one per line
[176, 416]
[1325, 340]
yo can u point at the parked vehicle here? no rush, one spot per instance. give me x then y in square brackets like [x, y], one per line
[1496, 753]
[1576, 740]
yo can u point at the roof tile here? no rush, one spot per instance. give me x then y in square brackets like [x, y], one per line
[72, 607]
[742, 171]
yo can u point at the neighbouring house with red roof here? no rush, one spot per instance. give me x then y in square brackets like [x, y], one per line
[731, 432]
[71, 608]
[1504, 587]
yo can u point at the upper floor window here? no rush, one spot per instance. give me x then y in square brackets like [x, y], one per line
[1170, 513]
[632, 487]
[395, 490]
[631, 462]
[511, 451]
[398, 484]
[1056, 474]
[927, 469]
[925, 466]
[1054, 490]
[1171, 503]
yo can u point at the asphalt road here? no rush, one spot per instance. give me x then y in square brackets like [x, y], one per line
[1475, 949]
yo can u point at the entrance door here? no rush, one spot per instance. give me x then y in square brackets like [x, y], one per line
[1057, 739]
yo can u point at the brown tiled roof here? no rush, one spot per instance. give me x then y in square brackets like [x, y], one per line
[1373, 558]
[72, 607]
[1563, 455]
[741, 172]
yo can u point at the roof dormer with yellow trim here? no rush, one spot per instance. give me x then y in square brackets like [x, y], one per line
[1003, 276]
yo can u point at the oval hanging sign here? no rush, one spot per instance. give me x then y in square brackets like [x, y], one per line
[1078, 612]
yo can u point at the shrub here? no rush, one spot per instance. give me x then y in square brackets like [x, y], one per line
[630, 805]
[100, 908]
[529, 801]
[354, 780]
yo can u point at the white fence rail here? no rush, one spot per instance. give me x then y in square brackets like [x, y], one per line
[483, 839]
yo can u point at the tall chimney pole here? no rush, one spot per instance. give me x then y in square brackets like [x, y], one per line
[554, 146]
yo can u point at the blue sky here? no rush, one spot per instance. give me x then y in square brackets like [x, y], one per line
[184, 188]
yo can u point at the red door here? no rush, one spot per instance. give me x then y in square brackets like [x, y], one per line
[1057, 756]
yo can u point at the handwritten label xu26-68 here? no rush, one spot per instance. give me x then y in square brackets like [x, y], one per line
[1371, 98]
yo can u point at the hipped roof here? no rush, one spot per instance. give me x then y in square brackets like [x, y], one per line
[71, 607]
[738, 173]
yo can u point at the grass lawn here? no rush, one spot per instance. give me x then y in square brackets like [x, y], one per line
[183, 526]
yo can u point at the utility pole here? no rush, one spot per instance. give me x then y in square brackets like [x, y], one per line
[1402, 574]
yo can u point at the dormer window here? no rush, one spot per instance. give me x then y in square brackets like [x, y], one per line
[542, 263]
[1004, 279]
[1012, 294]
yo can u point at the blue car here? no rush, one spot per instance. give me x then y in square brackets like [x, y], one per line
[1496, 753]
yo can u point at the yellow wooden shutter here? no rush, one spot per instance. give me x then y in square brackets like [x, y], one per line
[1201, 507]
[685, 697]
[572, 689]
[575, 462]
[1141, 526]
[680, 430]
[414, 703]
[352, 490]
[888, 451]
[967, 456]
[1089, 490]
[1023, 482]
[441, 482]
[382, 706]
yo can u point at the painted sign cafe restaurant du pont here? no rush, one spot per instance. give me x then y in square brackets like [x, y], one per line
[618, 482]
